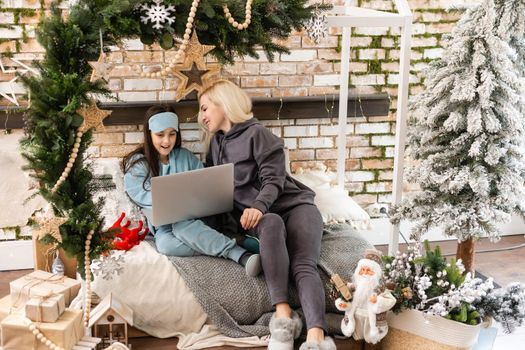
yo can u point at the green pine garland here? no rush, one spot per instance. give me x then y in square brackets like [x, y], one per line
[63, 86]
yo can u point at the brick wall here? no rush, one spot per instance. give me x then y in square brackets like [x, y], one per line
[309, 69]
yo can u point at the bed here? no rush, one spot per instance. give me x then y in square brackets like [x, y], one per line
[209, 301]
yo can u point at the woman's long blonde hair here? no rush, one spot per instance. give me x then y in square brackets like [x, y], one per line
[235, 103]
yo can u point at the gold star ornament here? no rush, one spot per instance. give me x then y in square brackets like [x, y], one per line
[194, 73]
[93, 116]
[49, 226]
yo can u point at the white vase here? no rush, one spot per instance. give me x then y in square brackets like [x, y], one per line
[411, 329]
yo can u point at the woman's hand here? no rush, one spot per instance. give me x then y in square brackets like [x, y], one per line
[250, 218]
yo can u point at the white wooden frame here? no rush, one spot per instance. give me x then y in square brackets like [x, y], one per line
[350, 16]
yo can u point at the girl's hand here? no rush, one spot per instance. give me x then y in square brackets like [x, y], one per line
[250, 218]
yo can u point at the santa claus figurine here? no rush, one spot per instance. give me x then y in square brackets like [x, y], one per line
[365, 314]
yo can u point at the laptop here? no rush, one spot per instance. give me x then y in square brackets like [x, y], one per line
[191, 194]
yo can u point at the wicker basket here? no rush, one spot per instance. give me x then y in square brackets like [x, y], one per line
[412, 330]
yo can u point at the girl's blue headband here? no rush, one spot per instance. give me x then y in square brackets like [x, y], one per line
[162, 121]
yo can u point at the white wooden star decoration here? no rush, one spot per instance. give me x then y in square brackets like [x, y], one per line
[101, 69]
[8, 92]
[7, 89]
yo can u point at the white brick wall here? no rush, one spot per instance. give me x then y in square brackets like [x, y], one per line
[191, 135]
[370, 79]
[333, 130]
[327, 80]
[133, 44]
[359, 176]
[133, 137]
[383, 140]
[137, 96]
[372, 128]
[376, 187]
[290, 143]
[384, 198]
[6, 17]
[290, 131]
[142, 84]
[316, 142]
[433, 53]
[281, 68]
[394, 79]
[299, 56]
[372, 54]
[13, 33]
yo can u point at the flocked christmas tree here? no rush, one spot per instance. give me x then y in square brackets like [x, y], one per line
[466, 134]
[510, 26]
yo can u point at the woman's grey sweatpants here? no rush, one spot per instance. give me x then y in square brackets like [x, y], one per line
[290, 244]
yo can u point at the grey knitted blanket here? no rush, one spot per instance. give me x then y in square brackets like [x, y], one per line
[240, 306]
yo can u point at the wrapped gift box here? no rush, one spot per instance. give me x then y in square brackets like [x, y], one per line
[6, 309]
[64, 333]
[40, 283]
[45, 308]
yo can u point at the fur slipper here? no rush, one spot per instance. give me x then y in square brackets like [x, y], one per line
[326, 344]
[283, 331]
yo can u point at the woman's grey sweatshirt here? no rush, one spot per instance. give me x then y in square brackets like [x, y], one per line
[261, 180]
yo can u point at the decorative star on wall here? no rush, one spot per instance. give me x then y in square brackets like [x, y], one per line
[5, 71]
[8, 92]
[26, 67]
[194, 73]
[6, 88]
[93, 116]
[101, 69]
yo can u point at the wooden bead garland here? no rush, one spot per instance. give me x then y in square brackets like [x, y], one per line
[87, 272]
[247, 20]
[71, 161]
[182, 48]
[41, 337]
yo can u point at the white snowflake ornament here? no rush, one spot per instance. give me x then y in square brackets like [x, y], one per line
[157, 13]
[107, 265]
[317, 26]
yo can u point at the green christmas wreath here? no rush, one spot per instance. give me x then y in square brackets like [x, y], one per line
[64, 85]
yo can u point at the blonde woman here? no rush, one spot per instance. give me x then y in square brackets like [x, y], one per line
[271, 205]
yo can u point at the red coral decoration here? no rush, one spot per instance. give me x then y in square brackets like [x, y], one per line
[127, 238]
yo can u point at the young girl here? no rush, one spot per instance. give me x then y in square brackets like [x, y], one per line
[162, 154]
[272, 206]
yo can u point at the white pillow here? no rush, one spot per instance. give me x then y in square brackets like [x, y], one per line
[334, 203]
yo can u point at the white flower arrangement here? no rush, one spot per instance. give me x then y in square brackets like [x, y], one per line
[436, 287]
